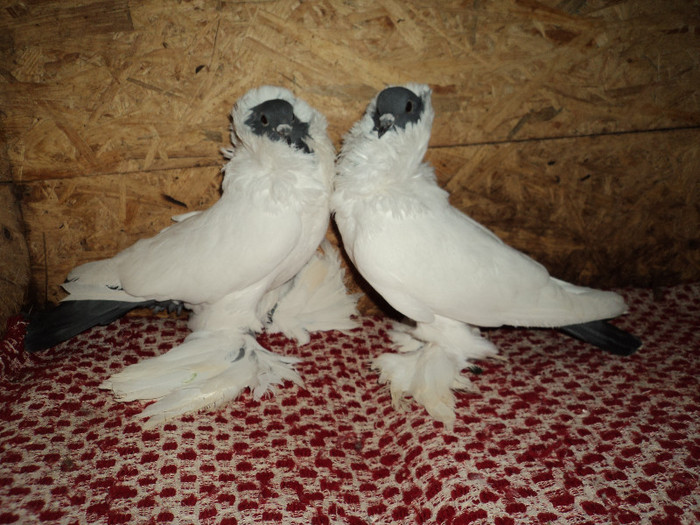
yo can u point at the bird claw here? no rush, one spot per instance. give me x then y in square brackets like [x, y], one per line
[168, 306]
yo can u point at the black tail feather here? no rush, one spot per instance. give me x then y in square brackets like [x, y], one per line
[604, 335]
[48, 328]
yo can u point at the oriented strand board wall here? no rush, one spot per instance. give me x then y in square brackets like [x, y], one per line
[14, 256]
[570, 127]
[14, 268]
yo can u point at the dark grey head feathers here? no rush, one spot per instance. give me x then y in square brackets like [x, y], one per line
[276, 120]
[396, 107]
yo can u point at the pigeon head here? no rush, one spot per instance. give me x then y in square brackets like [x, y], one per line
[395, 108]
[275, 119]
[273, 130]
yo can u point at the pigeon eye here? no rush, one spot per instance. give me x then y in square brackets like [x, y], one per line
[409, 106]
[263, 120]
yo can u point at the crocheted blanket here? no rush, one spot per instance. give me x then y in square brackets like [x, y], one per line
[557, 432]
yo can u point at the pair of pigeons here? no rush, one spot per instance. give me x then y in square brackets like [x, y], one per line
[250, 262]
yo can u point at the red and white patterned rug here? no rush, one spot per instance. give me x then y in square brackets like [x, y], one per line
[558, 433]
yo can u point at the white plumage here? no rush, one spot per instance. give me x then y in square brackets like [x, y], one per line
[206, 370]
[221, 262]
[271, 216]
[314, 301]
[212, 367]
[431, 262]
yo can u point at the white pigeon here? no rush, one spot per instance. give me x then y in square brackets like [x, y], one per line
[435, 265]
[218, 263]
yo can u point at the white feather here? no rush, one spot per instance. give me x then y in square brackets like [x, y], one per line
[97, 280]
[205, 371]
[184, 216]
[436, 265]
[315, 300]
[429, 363]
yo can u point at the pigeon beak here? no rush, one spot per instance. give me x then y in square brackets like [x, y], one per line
[284, 130]
[386, 122]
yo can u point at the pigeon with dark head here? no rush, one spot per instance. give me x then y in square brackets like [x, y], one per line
[222, 264]
[438, 267]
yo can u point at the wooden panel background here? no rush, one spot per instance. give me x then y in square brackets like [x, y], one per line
[570, 127]
[14, 258]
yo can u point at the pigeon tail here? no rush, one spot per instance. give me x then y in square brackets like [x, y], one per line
[50, 327]
[605, 336]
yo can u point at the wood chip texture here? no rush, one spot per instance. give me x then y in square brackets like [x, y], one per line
[569, 127]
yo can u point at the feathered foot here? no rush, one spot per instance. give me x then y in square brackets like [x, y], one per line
[429, 365]
[315, 300]
[205, 371]
[401, 335]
